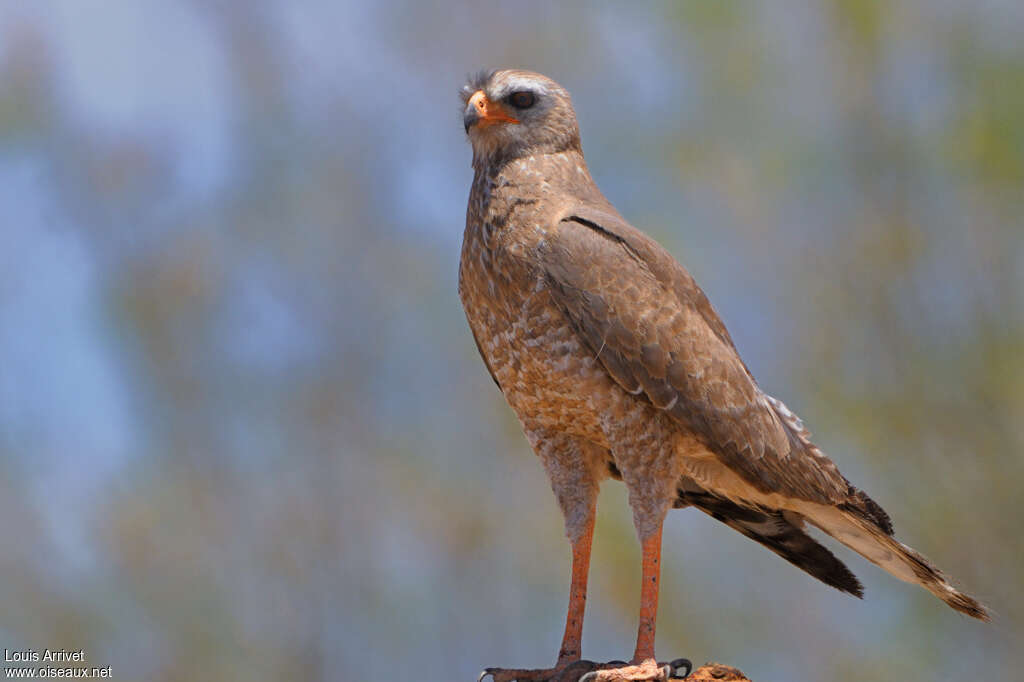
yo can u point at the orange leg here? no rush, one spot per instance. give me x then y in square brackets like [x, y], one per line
[648, 597]
[570, 650]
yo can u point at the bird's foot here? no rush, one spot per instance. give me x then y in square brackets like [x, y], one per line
[568, 672]
[588, 671]
[646, 671]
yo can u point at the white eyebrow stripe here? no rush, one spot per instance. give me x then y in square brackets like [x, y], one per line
[516, 84]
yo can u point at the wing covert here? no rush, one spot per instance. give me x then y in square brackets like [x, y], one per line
[656, 334]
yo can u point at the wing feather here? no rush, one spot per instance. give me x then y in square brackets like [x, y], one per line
[779, 532]
[657, 335]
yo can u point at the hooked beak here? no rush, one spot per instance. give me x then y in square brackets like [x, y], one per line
[483, 112]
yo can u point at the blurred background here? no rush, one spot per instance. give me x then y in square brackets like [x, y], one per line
[244, 431]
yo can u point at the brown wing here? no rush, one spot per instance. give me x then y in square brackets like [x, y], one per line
[657, 335]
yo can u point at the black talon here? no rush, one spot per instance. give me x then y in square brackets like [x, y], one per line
[680, 663]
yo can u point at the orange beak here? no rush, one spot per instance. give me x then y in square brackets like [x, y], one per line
[483, 112]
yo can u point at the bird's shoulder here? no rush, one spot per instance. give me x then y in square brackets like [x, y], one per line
[594, 247]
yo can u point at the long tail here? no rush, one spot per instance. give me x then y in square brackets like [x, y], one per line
[779, 533]
[879, 547]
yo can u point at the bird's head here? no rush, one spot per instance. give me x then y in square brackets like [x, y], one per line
[512, 113]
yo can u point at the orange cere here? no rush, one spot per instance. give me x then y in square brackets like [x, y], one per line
[489, 112]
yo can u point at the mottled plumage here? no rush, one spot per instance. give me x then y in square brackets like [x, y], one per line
[617, 365]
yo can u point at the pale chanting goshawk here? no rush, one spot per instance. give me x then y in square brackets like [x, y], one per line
[618, 366]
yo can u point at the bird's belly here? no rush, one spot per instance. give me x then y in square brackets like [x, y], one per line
[554, 384]
[547, 375]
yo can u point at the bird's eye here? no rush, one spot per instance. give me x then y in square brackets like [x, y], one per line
[522, 100]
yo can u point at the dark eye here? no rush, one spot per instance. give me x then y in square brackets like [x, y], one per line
[521, 100]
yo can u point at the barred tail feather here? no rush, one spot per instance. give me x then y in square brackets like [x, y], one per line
[883, 550]
[782, 534]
